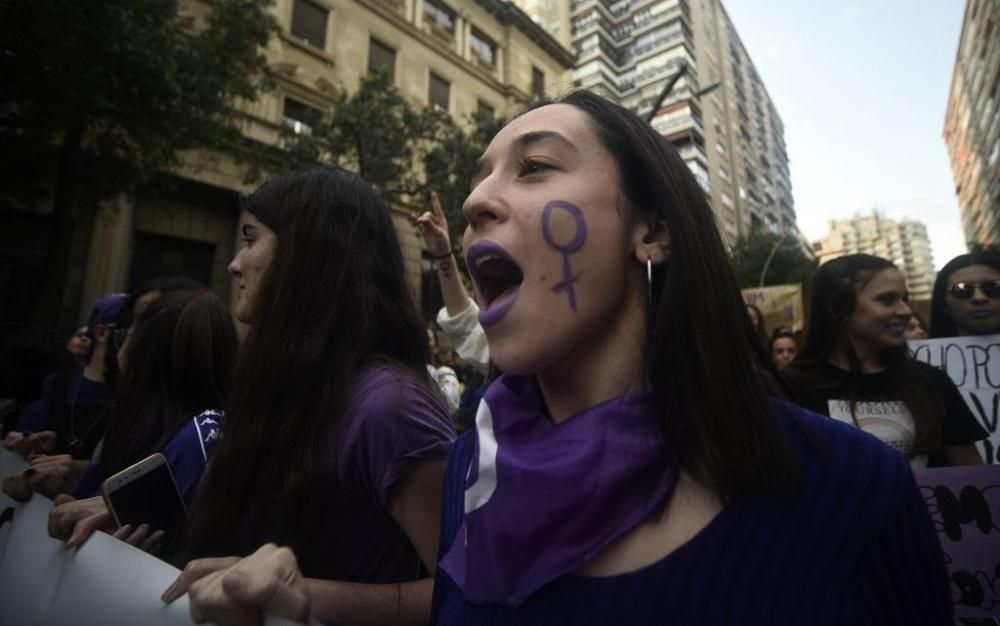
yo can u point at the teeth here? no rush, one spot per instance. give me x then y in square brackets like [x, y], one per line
[487, 257]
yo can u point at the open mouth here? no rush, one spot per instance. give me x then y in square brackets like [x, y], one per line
[498, 279]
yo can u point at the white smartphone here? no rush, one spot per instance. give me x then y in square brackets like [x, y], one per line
[146, 493]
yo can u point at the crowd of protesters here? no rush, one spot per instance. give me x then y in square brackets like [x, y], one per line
[632, 445]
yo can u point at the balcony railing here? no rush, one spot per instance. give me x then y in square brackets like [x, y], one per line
[481, 60]
[394, 5]
[440, 31]
[693, 151]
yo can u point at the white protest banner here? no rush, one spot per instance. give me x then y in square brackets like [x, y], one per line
[32, 567]
[973, 363]
[781, 305]
[10, 463]
[111, 582]
[964, 503]
[104, 582]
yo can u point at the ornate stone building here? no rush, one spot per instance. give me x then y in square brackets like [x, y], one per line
[460, 55]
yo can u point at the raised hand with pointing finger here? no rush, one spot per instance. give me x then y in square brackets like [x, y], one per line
[433, 227]
[459, 317]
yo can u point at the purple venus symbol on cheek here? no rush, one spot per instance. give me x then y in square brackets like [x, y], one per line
[567, 248]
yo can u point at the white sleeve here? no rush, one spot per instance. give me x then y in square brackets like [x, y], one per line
[466, 335]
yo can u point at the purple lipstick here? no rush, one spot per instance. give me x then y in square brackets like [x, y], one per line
[497, 277]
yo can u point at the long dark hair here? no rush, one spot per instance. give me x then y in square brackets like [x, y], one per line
[942, 324]
[333, 300]
[834, 296]
[179, 362]
[701, 336]
[761, 324]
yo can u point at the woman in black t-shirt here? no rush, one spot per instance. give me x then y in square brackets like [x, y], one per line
[854, 366]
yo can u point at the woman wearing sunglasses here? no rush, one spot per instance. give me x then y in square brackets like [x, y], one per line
[854, 366]
[966, 298]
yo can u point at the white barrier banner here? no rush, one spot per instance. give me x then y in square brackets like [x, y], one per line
[33, 565]
[964, 503]
[973, 363]
[10, 463]
[104, 582]
[110, 582]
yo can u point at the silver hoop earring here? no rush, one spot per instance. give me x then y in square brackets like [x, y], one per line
[649, 284]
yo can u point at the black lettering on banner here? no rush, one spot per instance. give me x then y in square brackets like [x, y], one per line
[969, 507]
[972, 588]
[990, 419]
[995, 358]
[923, 353]
[946, 353]
[979, 361]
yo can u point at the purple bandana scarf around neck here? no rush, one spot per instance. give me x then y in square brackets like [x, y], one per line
[543, 499]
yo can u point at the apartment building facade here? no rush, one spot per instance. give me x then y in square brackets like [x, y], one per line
[459, 55]
[904, 242]
[972, 122]
[718, 113]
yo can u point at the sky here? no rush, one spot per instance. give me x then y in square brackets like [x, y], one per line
[861, 87]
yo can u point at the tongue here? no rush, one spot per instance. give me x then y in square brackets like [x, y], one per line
[504, 295]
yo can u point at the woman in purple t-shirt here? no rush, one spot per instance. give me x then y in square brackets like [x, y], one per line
[334, 443]
[629, 466]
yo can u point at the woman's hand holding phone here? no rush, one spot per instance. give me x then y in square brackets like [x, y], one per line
[74, 521]
[142, 537]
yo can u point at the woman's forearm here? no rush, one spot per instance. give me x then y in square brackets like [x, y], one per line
[966, 454]
[350, 604]
[456, 299]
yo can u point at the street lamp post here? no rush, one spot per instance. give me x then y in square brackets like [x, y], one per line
[666, 90]
[767, 263]
[669, 87]
[774, 250]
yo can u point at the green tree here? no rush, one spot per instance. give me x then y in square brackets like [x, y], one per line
[98, 98]
[790, 264]
[451, 163]
[375, 132]
[405, 152]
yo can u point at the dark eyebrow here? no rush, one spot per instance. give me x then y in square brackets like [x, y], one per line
[521, 143]
[527, 139]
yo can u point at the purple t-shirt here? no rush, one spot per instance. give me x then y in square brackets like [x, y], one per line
[391, 424]
[81, 391]
[187, 453]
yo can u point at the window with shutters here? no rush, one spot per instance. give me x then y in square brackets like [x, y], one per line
[485, 110]
[300, 117]
[537, 83]
[309, 22]
[381, 58]
[484, 51]
[439, 92]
